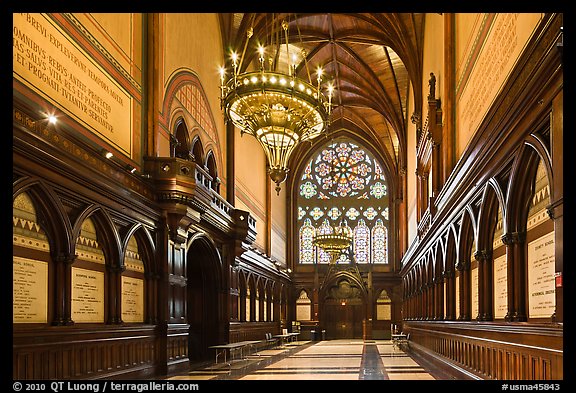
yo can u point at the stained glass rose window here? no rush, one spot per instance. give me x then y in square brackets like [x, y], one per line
[343, 180]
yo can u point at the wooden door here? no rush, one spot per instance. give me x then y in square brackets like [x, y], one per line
[343, 321]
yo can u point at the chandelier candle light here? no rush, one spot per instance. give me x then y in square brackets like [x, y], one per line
[279, 109]
[334, 241]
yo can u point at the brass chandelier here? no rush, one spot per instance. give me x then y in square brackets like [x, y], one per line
[278, 108]
[334, 240]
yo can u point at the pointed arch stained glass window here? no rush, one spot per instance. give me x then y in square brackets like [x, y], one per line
[325, 228]
[307, 249]
[362, 242]
[379, 243]
[343, 181]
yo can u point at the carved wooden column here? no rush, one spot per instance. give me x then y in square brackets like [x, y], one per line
[431, 290]
[435, 130]
[450, 312]
[411, 302]
[439, 284]
[63, 289]
[556, 208]
[151, 286]
[402, 209]
[407, 304]
[114, 288]
[464, 268]
[421, 303]
[515, 243]
[485, 291]
[421, 192]
[449, 95]
[151, 25]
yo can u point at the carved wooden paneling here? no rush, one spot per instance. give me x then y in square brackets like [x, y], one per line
[83, 353]
[242, 331]
[493, 351]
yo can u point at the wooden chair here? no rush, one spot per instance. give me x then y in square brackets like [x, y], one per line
[270, 341]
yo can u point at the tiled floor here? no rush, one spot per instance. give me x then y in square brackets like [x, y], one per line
[323, 360]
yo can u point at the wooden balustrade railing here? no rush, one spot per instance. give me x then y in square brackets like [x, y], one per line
[492, 350]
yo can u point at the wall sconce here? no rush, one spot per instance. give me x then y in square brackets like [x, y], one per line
[130, 168]
[107, 154]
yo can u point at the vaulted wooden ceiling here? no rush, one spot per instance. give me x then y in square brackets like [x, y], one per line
[373, 59]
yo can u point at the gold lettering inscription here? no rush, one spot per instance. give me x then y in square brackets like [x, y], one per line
[495, 56]
[46, 58]
[87, 295]
[132, 299]
[541, 267]
[29, 291]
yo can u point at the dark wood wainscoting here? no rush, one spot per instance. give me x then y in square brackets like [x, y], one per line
[492, 350]
[78, 352]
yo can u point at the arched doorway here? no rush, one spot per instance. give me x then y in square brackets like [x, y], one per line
[203, 298]
[343, 308]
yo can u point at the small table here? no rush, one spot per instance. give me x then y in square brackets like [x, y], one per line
[283, 338]
[223, 349]
[398, 338]
[226, 348]
[293, 336]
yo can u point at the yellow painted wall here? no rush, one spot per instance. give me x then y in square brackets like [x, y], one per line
[120, 34]
[433, 62]
[487, 48]
[411, 173]
[251, 178]
[192, 42]
[278, 211]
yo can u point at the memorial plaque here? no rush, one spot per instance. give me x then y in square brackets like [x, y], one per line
[457, 295]
[87, 295]
[29, 291]
[500, 42]
[541, 268]
[303, 312]
[474, 293]
[500, 287]
[383, 312]
[52, 64]
[132, 299]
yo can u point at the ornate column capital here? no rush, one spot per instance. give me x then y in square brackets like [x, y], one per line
[463, 265]
[483, 255]
[118, 269]
[513, 238]
[64, 258]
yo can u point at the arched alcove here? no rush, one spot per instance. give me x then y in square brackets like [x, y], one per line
[343, 307]
[204, 297]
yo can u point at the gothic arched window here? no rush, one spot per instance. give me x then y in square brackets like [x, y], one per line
[343, 182]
